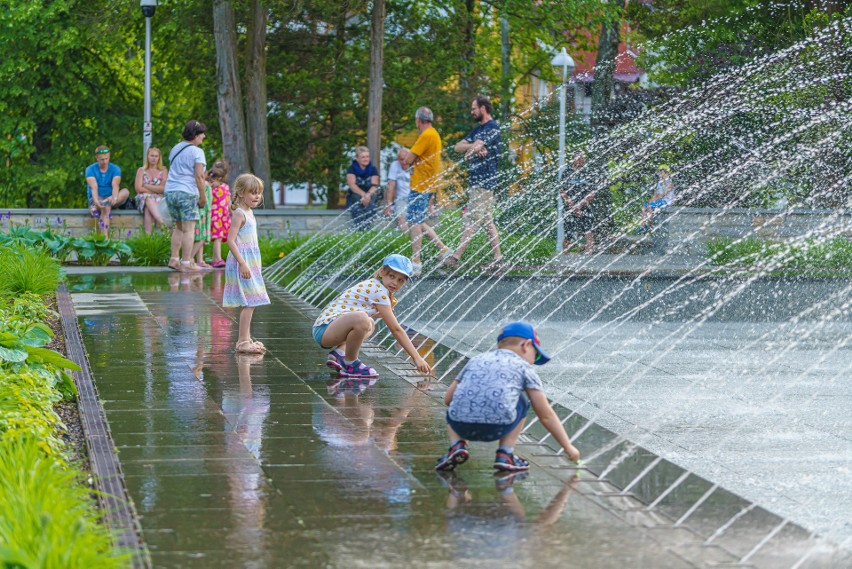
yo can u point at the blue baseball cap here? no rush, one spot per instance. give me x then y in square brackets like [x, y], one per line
[399, 263]
[526, 331]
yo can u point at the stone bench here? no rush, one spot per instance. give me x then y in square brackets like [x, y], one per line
[279, 222]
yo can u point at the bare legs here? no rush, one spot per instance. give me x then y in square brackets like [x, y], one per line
[182, 242]
[151, 215]
[349, 332]
[417, 232]
[467, 236]
[217, 250]
[245, 324]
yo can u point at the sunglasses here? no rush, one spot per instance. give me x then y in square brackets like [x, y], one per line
[104, 151]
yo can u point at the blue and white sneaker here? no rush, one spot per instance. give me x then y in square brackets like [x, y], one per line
[357, 369]
[334, 361]
[510, 462]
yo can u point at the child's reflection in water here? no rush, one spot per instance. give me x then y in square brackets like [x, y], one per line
[358, 441]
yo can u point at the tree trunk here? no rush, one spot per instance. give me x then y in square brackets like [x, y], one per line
[377, 55]
[257, 133]
[228, 95]
[467, 63]
[506, 79]
[605, 67]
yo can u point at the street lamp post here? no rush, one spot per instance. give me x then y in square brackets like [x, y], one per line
[561, 62]
[148, 8]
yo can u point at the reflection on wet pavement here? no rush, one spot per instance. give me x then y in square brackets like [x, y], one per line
[271, 461]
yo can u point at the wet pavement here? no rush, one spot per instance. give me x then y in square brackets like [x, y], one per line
[269, 461]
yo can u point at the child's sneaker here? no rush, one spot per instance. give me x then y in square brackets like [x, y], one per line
[503, 480]
[416, 269]
[357, 369]
[510, 462]
[456, 456]
[334, 361]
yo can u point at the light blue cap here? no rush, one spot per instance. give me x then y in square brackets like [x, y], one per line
[399, 263]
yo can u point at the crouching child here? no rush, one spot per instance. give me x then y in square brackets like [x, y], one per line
[487, 402]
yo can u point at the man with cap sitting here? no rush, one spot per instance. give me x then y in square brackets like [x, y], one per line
[486, 401]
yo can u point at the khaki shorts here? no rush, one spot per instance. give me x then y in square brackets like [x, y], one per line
[480, 202]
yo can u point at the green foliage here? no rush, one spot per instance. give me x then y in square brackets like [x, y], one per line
[691, 40]
[150, 249]
[24, 269]
[98, 249]
[48, 519]
[812, 255]
[21, 348]
[274, 248]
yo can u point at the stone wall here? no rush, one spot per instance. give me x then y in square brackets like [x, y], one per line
[681, 230]
[279, 222]
[686, 230]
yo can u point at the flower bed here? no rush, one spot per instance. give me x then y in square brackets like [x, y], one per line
[47, 515]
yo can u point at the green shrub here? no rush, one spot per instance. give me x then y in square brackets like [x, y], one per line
[811, 255]
[47, 515]
[150, 249]
[23, 269]
[97, 249]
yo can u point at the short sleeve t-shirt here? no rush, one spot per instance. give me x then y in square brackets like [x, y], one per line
[402, 177]
[363, 176]
[103, 179]
[363, 297]
[182, 168]
[482, 172]
[489, 387]
[426, 170]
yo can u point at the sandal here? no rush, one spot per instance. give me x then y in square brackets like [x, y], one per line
[174, 264]
[249, 347]
[258, 343]
[218, 264]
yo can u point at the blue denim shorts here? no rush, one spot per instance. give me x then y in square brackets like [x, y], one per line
[318, 331]
[418, 206]
[487, 432]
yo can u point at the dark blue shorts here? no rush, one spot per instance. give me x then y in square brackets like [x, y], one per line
[487, 432]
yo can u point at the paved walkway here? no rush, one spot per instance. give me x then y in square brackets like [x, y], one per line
[268, 461]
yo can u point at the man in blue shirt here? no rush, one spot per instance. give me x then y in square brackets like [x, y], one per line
[481, 149]
[103, 180]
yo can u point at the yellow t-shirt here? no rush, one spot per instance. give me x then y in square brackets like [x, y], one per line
[424, 178]
[363, 297]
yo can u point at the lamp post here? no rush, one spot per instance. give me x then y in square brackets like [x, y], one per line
[148, 8]
[561, 62]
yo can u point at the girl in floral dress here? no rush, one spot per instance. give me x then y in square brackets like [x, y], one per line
[220, 212]
[150, 183]
[243, 279]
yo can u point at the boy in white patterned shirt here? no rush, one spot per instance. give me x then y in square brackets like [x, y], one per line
[486, 401]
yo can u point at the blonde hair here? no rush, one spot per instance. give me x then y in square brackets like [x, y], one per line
[361, 150]
[382, 271]
[159, 165]
[246, 184]
[510, 341]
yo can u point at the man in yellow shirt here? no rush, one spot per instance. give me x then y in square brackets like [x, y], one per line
[425, 156]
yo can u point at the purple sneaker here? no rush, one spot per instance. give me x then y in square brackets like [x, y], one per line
[334, 361]
[357, 369]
